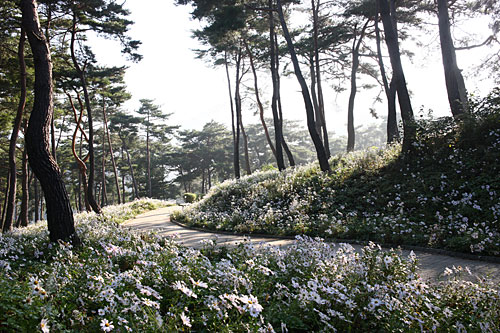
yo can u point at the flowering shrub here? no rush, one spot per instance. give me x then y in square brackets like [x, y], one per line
[445, 195]
[121, 281]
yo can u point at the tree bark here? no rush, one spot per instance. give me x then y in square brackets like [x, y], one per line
[274, 100]
[59, 214]
[398, 76]
[81, 73]
[318, 145]
[113, 163]
[11, 200]
[455, 85]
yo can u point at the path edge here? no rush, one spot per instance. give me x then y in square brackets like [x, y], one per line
[468, 256]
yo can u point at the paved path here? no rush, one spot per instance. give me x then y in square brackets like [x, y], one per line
[431, 266]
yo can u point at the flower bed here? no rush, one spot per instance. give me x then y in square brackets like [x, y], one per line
[121, 281]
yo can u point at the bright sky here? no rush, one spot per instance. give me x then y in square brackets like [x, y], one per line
[196, 93]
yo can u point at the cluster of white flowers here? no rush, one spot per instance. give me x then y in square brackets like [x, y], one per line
[446, 208]
[121, 281]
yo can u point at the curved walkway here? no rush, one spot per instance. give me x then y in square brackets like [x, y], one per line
[431, 266]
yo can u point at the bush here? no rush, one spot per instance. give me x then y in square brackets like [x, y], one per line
[189, 197]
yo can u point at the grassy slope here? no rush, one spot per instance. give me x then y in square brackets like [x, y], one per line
[444, 196]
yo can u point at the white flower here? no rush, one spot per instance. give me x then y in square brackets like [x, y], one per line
[251, 304]
[387, 260]
[185, 320]
[44, 326]
[199, 283]
[106, 325]
[101, 312]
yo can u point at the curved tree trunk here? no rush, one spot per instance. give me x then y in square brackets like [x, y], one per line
[274, 101]
[59, 214]
[455, 85]
[398, 76]
[318, 145]
[11, 200]
[350, 109]
[81, 163]
[81, 74]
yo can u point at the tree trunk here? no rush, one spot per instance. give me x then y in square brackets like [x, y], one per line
[390, 90]
[123, 183]
[203, 181]
[351, 136]
[321, 103]
[288, 153]
[11, 200]
[236, 163]
[115, 171]
[59, 214]
[274, 101]
[237, 102]
[24, 218]
[245, 143]
[314, 97]
[104, 194]
[350, 109]
[455, 85]
[259, 102]
[398, 76]
[320, 149]
[90, 185]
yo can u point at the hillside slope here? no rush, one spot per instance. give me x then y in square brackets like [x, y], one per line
[445, 195]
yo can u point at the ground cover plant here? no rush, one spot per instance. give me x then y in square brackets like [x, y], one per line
[121, 281]
[444, 195]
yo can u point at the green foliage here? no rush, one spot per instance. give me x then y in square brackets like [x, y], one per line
[445, 195]
[189, 197]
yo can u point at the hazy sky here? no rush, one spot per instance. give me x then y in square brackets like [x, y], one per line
[196, 93]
